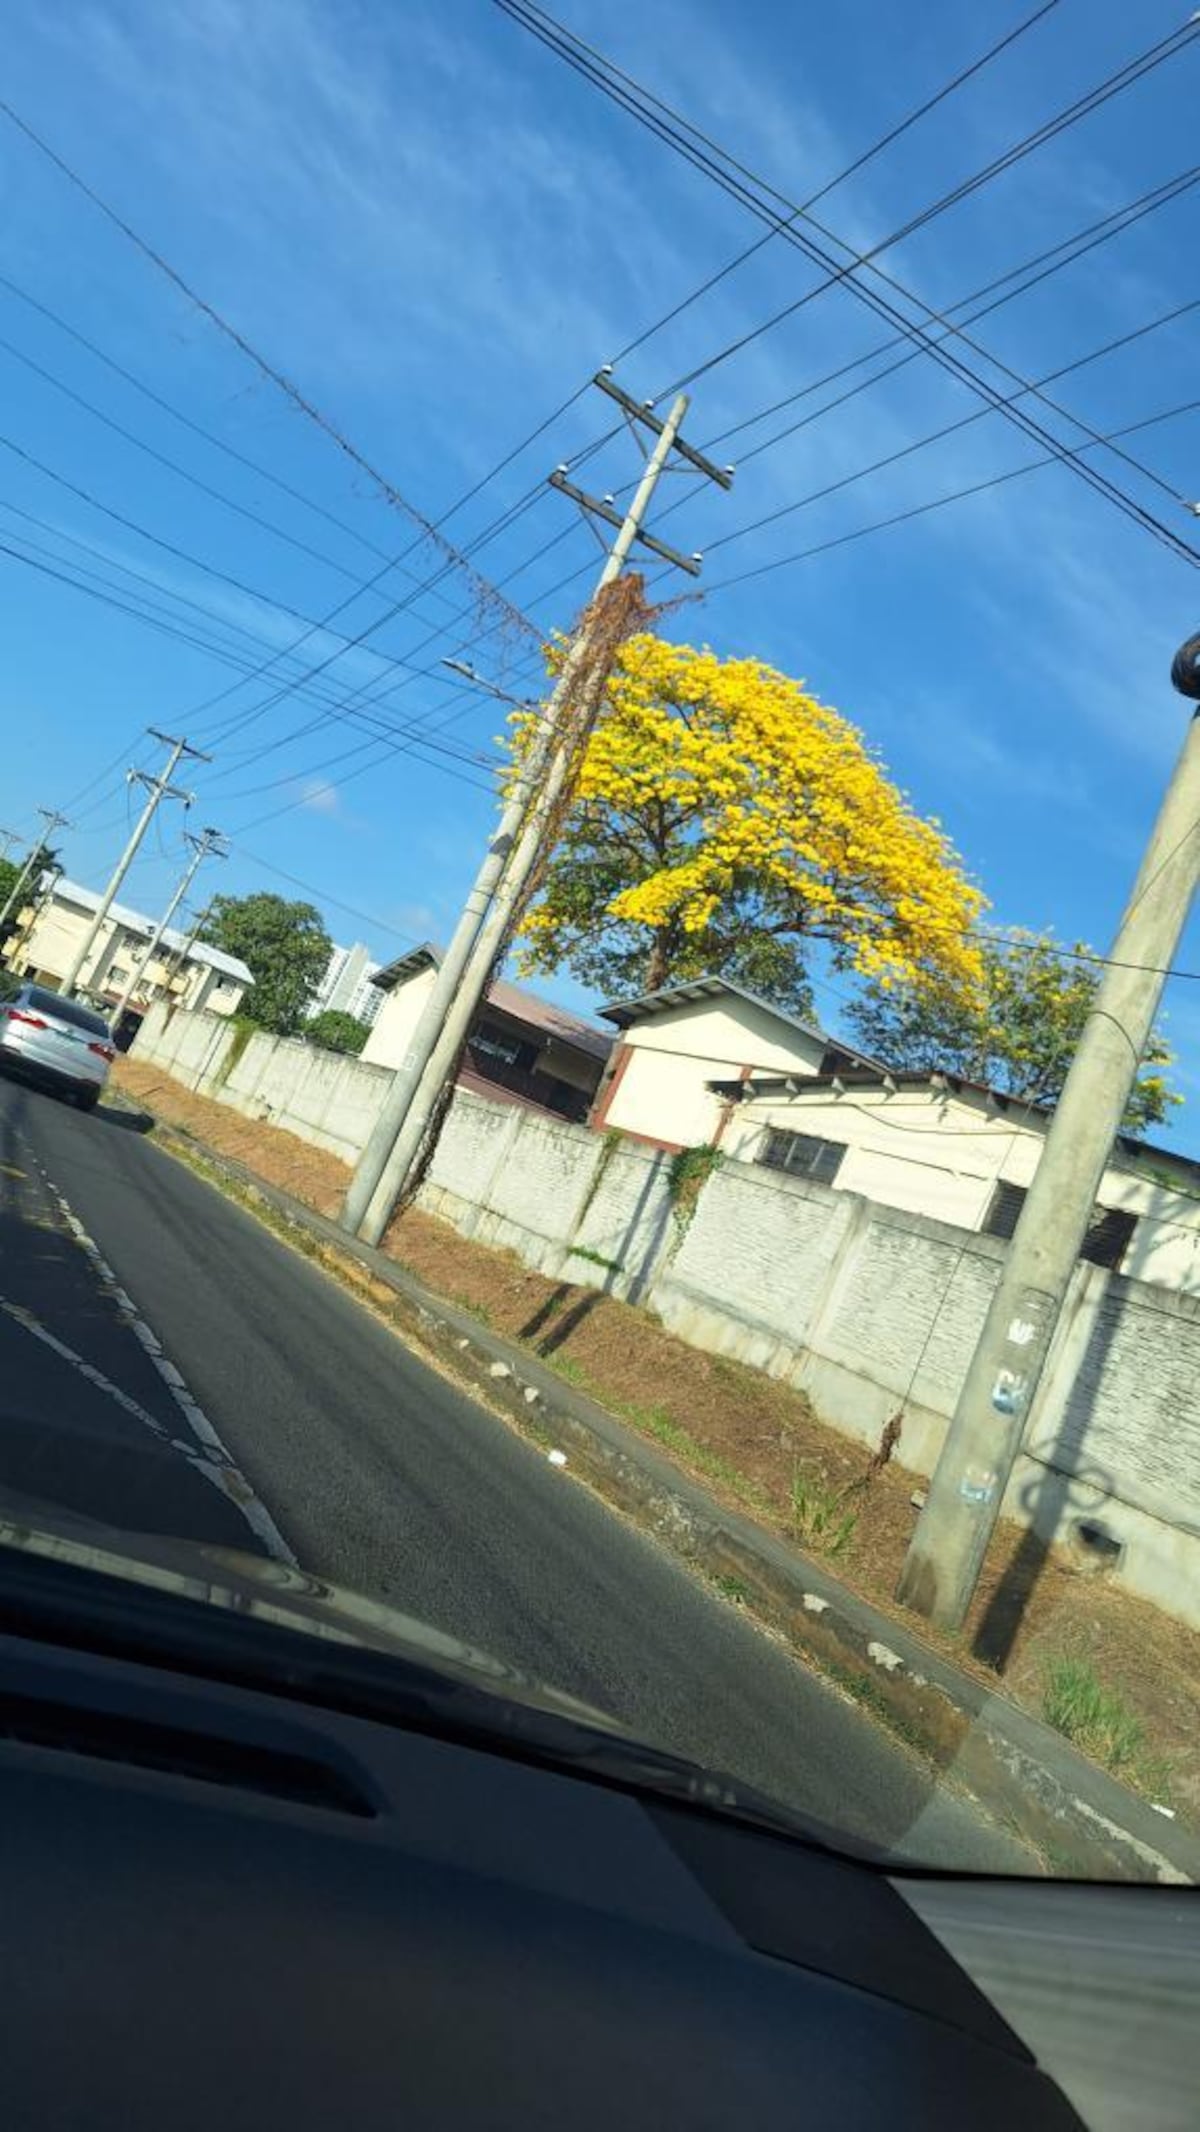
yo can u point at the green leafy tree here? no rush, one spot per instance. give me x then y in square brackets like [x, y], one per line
[1018, 1031]
[337, 1031]
[284, 945]
[10, 870]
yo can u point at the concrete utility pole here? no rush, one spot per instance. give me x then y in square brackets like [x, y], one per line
[158, 788]
[515, 851]
[207, 845]
[53, 821]
[951, 1539]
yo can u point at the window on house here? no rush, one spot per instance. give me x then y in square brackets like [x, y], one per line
[1109, 1230]
[802, 1154]
[505, 1050]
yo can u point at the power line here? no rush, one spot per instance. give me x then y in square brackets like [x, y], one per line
[937, 503]
[540, 429]
[579, 58]
[949, 429]
[195, 562]
[428, 528]
[198, 429]
[173, 466]
[1041, 267]
[849, 170]
[415, 744]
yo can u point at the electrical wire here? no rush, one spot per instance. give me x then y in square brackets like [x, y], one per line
[849, 170]
[950, 429]
[564, 45]
[416, 744]
[198, 429]
[1040, 268]
[936, 503]
[173, 466]
[428, 529]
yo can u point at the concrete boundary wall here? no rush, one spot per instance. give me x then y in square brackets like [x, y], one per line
[869, 1309]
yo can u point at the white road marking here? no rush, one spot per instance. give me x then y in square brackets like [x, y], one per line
[213, 1460]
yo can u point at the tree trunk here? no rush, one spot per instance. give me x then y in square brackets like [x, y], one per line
[658, 962]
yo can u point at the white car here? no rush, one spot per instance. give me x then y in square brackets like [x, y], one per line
[55, 1041]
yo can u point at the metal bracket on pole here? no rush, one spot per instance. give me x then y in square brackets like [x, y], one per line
[641, 411]
[613, 517]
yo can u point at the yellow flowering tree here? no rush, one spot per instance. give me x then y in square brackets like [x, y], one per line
[1018, 1030]
[724, 819]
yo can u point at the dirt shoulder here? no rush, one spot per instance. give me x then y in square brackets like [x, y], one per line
[1118, 1677]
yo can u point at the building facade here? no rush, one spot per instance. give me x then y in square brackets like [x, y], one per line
[348, 986]
[958, 1152]
[677, 1042]
[48, 936]
[521, 1047]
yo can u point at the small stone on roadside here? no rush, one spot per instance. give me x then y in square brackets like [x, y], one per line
[814, 1605]
[499, 1369]
[531, 1395]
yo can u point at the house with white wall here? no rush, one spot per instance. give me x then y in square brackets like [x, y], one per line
[953, 1149]
[677, 1042]
[187, 971]
[521, 1048]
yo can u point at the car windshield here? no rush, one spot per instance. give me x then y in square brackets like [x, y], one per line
[602, 770]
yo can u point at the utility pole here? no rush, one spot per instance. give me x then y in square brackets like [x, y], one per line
[516, 849]
[158, 789]
[965, 1495]
[207, 844]
[53, 821]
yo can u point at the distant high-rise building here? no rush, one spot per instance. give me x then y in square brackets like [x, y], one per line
[346, 987]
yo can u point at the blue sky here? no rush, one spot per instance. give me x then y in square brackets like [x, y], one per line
[438, 232]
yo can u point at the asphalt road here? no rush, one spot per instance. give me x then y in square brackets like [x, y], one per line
[156, 1341]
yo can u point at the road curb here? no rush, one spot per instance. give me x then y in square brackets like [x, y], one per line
[1018, 1770]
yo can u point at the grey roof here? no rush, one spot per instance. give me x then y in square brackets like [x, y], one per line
[669, 998]
[513, 1000]
[137, 922]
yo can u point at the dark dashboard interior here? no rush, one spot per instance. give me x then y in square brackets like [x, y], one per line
[224, 1910]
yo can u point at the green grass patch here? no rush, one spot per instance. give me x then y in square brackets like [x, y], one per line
[820, 1517]
[1098, 1720]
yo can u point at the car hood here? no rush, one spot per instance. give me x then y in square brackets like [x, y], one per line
[271, 1591]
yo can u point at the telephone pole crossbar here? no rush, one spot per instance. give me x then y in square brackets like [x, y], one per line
[158, 788]
[53, 821]
[540, 792]
[209, 844]
[612, 517]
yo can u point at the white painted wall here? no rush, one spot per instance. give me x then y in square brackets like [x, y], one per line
[869, 1308]
[941, 1154]
[663, 1094]
[392, 1031]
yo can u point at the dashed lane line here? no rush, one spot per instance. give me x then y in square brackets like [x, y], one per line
[212, 1460]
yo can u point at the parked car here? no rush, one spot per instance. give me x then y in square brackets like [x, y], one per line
[58, 1042]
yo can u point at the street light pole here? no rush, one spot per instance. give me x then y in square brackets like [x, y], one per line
[946, 1555]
